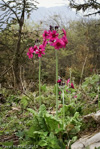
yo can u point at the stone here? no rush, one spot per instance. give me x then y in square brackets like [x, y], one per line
[94, 116]
[95, 145]
[93, 139]
[87, 141]
[97, 116]
[77, 145]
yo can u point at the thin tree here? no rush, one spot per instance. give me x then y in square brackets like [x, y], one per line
[15, 11]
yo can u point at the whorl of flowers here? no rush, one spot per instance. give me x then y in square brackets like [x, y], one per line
[54, 38]
[37, 50]
[51, 37]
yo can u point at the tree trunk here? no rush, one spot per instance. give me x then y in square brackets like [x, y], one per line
[16, 62]
[16, 66]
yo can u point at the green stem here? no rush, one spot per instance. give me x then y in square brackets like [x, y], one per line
[70, 81]
[40, 80]
[63, 109]
[56, 84]
[70, 75]
[98, 98]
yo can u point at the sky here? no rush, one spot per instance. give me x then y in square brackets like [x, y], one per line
[51, 3]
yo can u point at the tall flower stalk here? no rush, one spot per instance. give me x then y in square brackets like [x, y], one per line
[62, 87]
[56, 83]
[40, 51]
[70, 80]
[53, 38]
[63, 108]
[40, 79]
[58, 41]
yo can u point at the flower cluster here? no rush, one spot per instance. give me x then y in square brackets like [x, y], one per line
[53, 38]
[61, 83]
[71, 84]
[37, 50]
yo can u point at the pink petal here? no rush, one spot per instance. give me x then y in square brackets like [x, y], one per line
[39, 55]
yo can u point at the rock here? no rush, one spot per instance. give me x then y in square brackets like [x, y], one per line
[80, 144]
[77, 145]
[90, 141]
[87, 141]
[97, 116]
[94, 116]
[95, 145]
[93, 139]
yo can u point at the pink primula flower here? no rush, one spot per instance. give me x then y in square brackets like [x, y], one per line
[35, 48]
[75, 96]
[64, 38]
[53, 35]
[59, 92]
[44, 43]
[30, 52]
[65, 41]
[59, 81]
[58, 44]
[68, 81]
[72, 85]
[40, 51]
[46, 34]
[64, 32]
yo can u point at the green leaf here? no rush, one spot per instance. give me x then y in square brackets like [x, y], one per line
[42, 143]
[1, 133]
[53, 124]
[20, 134]
[43, 88]
[24, 102]
[42, 109]
[32, 111]
[7, 143]
[53, 141]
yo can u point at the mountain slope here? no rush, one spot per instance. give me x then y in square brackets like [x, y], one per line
[43, 13]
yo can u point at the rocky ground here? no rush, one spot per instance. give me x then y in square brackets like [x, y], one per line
[90, 139]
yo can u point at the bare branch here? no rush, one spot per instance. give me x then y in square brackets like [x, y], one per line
[5, 71]
[11, 9]
[92, 13]
[92, 4]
